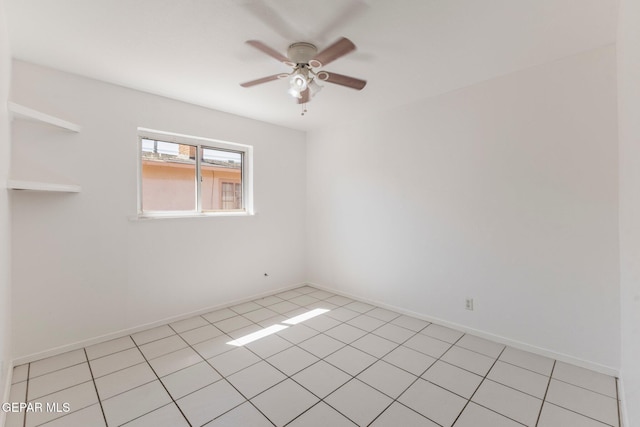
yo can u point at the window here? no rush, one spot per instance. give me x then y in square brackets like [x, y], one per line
[190, 176]
[231, 195]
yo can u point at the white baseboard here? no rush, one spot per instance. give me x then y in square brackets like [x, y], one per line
[124, 332]
[607, 370]
[6, 391]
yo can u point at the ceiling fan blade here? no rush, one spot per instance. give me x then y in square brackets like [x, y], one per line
[339, 79]
[335, 51]
[260, 81]
[269, 51]
[305, 97]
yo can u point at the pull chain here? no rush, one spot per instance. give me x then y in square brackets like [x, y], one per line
[304, 109]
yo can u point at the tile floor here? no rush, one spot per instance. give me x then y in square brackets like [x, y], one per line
[356, 364]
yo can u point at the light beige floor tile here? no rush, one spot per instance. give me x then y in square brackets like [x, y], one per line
[172, 362]
[430, 346]
[469, 360]
[435, 403]
[162, 346]
[387, 378]
[321, 415]
[152, 334]
[524, 359]
[454, 379]
[519, 378]
[555, 416]
[481, 345]
[358, 402]
[188, 380]
[399, 415]
[233, 361]
[256, 378]
[188, 324]
[586, 402]
[115, 362]
[442, 333]
[292, 360]
[243, 415]
[410, 323]
[478, 416]
[210, 402]
[89, 416]
[410, 360]
[508, 402]
[78, 397]
[321, 378]
[58, 380]
[124, 380]
[203, 333]
[136, 402]
[109, 347]
[284, 402]
[166, 416]
[585, 378]
[55, 363]
[351, 360]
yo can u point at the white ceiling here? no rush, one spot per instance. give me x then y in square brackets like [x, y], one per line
[194, 50]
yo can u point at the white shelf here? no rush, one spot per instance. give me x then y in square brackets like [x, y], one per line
[18, 110]
[42, 186]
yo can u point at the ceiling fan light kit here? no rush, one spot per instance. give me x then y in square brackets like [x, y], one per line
[303, 57]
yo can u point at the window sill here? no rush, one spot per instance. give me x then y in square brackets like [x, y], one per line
[145, 217]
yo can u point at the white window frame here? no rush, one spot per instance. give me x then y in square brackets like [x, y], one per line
[247, 173]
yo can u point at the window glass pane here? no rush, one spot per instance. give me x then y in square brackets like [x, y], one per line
[168, 176]
[221, 180]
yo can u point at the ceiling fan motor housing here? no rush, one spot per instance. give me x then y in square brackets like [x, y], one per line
[302, 52]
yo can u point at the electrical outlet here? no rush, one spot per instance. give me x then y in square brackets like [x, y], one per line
[468, 303]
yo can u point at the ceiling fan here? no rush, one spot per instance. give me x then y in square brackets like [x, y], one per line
[304, 58]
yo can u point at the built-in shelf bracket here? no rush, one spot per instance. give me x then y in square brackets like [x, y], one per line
[13, 184]
[18, 110]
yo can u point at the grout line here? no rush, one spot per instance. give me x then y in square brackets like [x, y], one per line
[414, 333]
[320, 359]
[515, 389]
[95, 386]
[527, 369]
[57, 370]
[310, 408]
[418, 377]
[578, 413]
[189, 329]
[123, 369]
[62, 389]
[161, 383]
[588, 389]
[478, 387]
[496, 412]
[114, 352]
[354, 377]
[223, 378]
[315, 304]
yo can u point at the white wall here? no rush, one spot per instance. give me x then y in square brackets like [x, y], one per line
[81, 268]
[505, 191]
[5, 221]
[629, 132]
